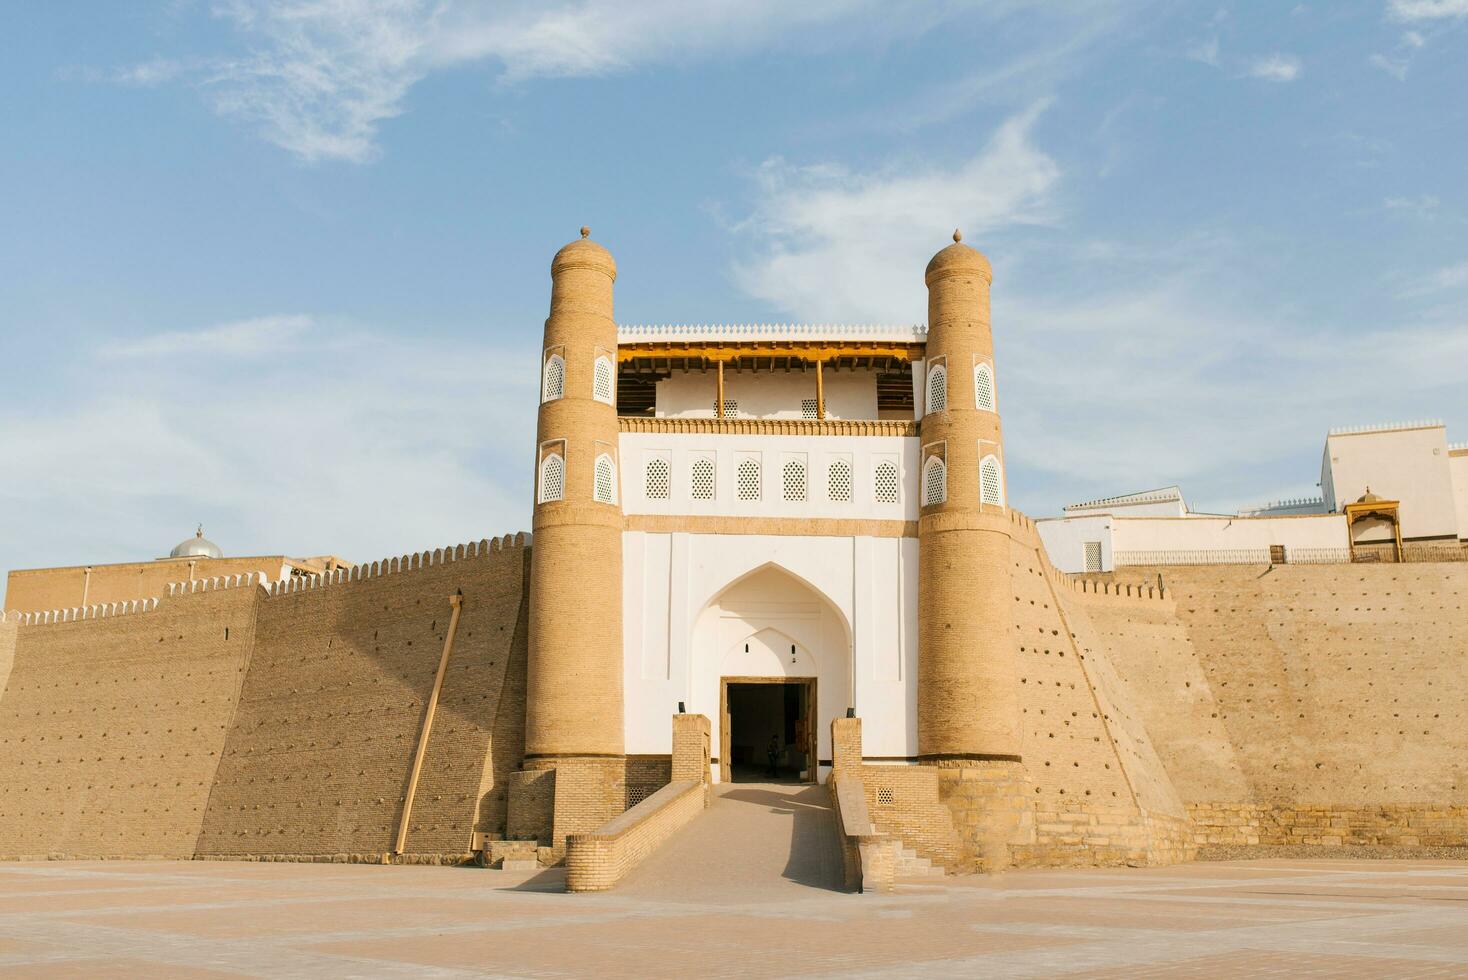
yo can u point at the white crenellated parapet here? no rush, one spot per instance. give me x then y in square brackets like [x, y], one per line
[79, 613]
[214, 584]
[915, 333]
[1289, 503]
[399, 564]
[1351, 430]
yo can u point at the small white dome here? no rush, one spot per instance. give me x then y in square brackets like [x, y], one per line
[196, 547]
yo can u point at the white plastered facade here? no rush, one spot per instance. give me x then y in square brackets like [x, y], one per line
[848, 605]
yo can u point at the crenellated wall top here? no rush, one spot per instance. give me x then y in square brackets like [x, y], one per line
[402, 563]
[915, 333]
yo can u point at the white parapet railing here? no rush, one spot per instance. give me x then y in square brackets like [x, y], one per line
[1375, 552]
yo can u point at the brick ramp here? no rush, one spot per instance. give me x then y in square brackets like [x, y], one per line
[758, 841]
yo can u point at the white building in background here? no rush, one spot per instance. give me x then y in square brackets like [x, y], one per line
[1409, 465]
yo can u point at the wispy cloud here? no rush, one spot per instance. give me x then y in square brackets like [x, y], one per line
[1399, 60]
[1448, 277]
[1413, 11]
[1205, 51]
[1276, 68]
[320, 76]
[1124, 365]
[243, 338]
[1422, 206]
[832, 244]
[356, 443]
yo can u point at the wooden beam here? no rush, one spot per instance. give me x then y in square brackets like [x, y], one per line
[820, 389]
[816, 351]
[457, 602]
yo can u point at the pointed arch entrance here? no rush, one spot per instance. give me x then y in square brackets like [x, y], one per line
[772, 658]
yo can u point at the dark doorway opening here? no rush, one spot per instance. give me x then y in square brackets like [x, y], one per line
[764, 715]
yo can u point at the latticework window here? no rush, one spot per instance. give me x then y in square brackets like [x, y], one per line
[1093, 556]
[809, 408]
[605, 480]
[991, 487]
[553, 384]
[602, 387]
[793, 482]
[701, 479]
[935, 482]
[746, 479]
[884, 483]
[984, 387]
[657, 479]
[731, 407]
[838, 481]
[552, 478]
[937, 388]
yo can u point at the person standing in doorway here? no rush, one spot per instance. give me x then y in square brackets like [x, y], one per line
[774, 754]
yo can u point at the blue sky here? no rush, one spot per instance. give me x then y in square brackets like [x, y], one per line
[280, 266]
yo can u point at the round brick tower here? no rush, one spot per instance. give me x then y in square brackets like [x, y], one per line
[967, 672]
[573, 709]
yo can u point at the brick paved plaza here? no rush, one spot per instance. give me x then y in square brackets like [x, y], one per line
[160, 919]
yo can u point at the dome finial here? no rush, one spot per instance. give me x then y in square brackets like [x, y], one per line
[200, 532]
[585, 232]
[957, 235]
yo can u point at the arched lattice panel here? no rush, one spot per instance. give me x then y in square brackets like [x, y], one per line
[552, 478]
[937, 388]
[746, 479]
[701, 479]
[605, 480]
[984, 387]
[553, 379]
[657, 480]
[935, 482]
[884, 483]
[603, 386]
[991, 482]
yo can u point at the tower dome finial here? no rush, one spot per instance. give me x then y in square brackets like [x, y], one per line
[585, 232]
[957, 235]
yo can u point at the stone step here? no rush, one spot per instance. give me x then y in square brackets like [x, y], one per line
[911, 865]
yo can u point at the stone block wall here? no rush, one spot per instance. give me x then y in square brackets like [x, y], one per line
[1389, 824]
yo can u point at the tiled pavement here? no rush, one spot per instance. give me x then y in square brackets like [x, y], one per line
[772, 917]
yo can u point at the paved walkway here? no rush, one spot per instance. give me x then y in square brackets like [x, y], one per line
[216, 919]
[759, 841]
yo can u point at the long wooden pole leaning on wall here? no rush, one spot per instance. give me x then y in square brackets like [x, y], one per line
[457, 602]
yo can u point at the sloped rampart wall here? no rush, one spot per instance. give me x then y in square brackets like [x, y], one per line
[318, 760]
[113, 720]
[1306, 704]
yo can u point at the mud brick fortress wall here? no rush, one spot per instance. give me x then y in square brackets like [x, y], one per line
[228, 720]
[1304, 704]
[318, 759]
[111, 727]
[1101, 793]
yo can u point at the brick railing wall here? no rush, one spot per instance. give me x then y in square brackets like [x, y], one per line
[868, 856]
[597, 861]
